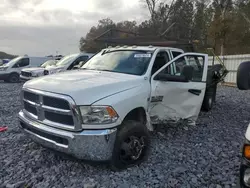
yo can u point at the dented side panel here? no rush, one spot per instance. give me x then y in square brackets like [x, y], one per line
[171, 101]
[177, 101]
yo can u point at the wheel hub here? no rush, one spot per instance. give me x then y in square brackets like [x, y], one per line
[210, 101]
[132, 148]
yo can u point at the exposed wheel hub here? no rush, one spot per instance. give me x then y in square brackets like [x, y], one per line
[132, 148]
[210, 101]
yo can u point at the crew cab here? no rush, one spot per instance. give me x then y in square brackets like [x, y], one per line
[10, 72]
[105, 109]
[68, 63]
[34, 72]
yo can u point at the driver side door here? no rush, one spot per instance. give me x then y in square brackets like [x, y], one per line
[175, 100]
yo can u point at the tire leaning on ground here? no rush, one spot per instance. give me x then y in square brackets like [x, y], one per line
[131, 145]
[209, 99]
[243, 83]
[13, 78]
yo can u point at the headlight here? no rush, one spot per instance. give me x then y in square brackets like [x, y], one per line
[35, 74]
[98, 114]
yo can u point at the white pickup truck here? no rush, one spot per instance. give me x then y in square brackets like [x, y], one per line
[105, 109]
[68, 63]
[34, 72]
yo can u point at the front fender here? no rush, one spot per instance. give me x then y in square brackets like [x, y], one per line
[126, 101]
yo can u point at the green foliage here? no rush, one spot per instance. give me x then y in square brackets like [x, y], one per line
[4, 55]
[221, 24]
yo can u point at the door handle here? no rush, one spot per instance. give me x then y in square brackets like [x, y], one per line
[195, 91]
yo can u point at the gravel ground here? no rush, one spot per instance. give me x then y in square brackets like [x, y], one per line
[205, 155]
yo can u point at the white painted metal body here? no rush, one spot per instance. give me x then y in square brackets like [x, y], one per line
[61, 68]
[33, 62]
[126, 92]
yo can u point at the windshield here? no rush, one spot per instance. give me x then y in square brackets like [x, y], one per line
[123, 61]
[48, 63]
[13, 61]
[66, 60]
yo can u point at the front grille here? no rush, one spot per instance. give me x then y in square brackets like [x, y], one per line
[31, 97]
[27, 74]
[56, 103]
[31, 109]
[51, 109]
[59, 118]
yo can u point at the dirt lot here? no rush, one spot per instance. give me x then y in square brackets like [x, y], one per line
[205, 155]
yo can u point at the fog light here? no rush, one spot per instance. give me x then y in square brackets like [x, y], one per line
[247, 151]
[247, 177]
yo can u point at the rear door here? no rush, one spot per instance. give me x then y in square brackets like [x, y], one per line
[174, 101]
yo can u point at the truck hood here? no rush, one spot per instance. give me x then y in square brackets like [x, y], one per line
[34, 69]
[86, 86]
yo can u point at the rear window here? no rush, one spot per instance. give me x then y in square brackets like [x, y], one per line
[175, 54]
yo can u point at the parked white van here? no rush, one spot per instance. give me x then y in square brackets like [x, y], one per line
[68, 63]
[34, 72]
[10, 71]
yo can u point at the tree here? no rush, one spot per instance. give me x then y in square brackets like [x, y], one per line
[222, 24]
[88, 44]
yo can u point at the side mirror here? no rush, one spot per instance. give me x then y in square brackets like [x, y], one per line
[75, 67]
[82, 63]
[243, 76]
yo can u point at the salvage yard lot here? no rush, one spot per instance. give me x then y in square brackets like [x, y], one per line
[205, 155]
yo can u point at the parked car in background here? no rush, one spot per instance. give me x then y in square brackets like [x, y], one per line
[3, 61]
[34, 72]
[68, 63]
[10, 72]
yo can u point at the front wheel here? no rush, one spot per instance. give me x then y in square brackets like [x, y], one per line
[131, 146]
[13, 78]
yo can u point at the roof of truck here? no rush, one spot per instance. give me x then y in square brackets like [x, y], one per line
[144, 48]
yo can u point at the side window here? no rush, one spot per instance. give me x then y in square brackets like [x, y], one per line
[178, 66]
[22, 63]
[161, 59]
[77, 61]
[175, 54]
[84, 58]
[197, 62]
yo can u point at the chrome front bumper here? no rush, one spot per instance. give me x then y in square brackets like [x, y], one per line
[96, 145]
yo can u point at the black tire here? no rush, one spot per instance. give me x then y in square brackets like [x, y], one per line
[243, 76]
[13, 78]
[131, 146]
[207, 103]
[209, 99]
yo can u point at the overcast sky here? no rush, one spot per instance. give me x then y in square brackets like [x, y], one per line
[42, 27]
